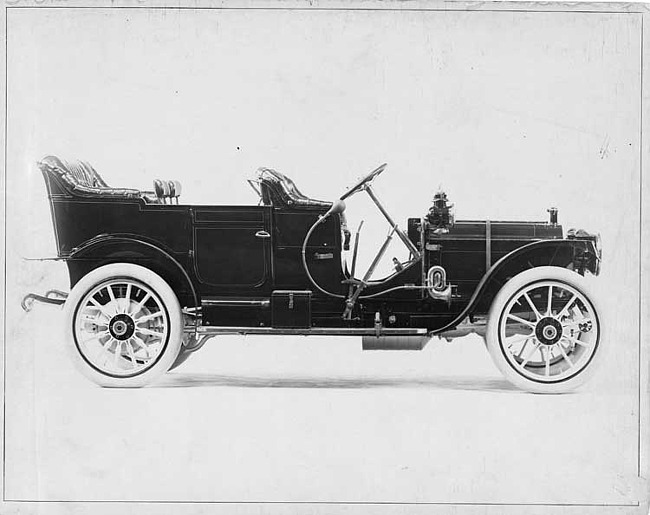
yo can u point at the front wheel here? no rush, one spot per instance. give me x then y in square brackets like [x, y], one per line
[543, 330]
[123, 325]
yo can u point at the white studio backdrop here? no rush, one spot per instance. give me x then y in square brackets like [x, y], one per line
[509, 112]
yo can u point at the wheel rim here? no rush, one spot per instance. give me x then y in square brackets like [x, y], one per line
[121, 327]
[549, 331]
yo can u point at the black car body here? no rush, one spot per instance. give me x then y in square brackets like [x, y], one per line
[277, 267]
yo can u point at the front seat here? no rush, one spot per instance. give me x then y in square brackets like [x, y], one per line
[280, 191]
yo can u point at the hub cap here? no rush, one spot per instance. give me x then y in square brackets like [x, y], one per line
[121, 327]
[548, 331]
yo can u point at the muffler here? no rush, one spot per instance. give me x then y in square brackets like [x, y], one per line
[394, 342]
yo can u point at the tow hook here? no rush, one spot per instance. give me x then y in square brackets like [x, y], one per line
[56, 297]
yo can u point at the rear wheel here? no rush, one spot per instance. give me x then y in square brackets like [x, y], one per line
[543, 330]
[124, 325]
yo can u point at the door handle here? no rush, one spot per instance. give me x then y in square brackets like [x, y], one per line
[262, 234]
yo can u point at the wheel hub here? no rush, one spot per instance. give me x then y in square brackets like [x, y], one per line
[548, 331]
[121, 327]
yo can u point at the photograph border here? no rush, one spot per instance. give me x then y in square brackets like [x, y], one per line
[639, 10]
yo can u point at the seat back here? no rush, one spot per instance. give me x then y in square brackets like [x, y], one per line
[85, 174]
[79, 178]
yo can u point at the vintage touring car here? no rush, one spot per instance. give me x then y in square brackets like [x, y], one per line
[153, 279]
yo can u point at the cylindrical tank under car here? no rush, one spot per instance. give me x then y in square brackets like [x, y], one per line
[394, 342]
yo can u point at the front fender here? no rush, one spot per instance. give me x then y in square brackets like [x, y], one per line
[582, 254]
[577, 254]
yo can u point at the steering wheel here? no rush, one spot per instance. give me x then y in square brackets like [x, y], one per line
[362, 182]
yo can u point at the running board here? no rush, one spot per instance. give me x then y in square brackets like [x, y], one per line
[319, 331]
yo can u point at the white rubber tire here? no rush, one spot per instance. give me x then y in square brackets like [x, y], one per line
[510, 289]
[170, 302]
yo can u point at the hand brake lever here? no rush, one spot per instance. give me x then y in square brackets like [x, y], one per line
[356, 248]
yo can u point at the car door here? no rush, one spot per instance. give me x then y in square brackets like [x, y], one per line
[232, 248]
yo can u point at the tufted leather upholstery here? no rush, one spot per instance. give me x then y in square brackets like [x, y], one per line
[80, 178]
[280, 191]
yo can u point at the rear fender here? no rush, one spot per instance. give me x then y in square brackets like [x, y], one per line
[105, 249]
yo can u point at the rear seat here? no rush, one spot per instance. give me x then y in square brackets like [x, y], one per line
[80, 178]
